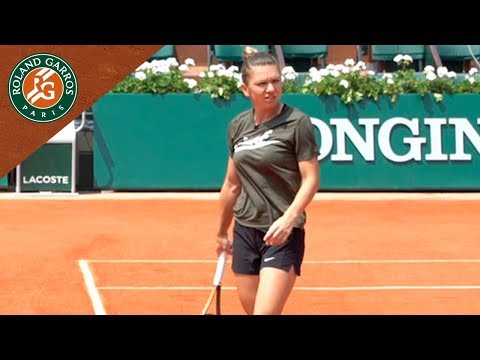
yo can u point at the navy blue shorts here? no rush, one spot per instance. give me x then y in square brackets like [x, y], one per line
[250, 253]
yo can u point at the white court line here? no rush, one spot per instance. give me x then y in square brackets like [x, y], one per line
[320, 196]
[299, 288]
[91, 288]
[360, 261]
[304, 288]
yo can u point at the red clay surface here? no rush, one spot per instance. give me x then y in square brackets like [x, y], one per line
[355, 260]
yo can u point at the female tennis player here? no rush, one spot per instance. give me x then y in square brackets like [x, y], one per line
[271, 177]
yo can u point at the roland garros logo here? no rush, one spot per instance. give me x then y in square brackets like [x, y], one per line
[42, 87]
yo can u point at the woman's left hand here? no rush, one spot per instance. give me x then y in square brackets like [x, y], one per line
[278, 232]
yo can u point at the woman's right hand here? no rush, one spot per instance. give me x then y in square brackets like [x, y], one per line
[224, 244]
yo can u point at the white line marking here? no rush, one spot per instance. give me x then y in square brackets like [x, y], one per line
[91, 288]
[149, 261]
[387, 287]
[304, 288]
[174, 288]
[320, 196]
[392, 261]
[360, 261]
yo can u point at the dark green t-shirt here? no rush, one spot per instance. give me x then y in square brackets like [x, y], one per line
[266, 158]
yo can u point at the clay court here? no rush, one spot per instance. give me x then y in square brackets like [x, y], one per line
[145, 254]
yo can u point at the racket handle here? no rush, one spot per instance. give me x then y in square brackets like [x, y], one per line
[222, 261]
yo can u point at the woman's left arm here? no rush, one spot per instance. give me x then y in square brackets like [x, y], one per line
[308, 189]
[282, 227]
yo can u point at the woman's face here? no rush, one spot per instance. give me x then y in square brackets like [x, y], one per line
[264, 87]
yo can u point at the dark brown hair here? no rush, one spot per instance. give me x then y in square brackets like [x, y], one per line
[252, 57]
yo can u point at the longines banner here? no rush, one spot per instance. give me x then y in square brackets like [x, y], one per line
[44, 88]
[413, 144]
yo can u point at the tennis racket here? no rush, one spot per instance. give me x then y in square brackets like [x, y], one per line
[217, 286]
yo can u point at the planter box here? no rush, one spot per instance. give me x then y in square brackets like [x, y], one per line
[178, 142]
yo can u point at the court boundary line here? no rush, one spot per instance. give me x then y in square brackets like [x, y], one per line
[300, 288]
[346, 261]
[187, 195]
[92, 289]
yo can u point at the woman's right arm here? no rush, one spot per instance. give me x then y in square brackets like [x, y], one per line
[228, 196]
